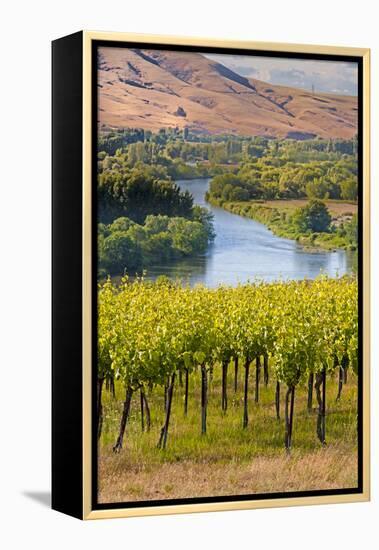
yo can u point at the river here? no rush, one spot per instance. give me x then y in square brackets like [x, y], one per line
[245, 250]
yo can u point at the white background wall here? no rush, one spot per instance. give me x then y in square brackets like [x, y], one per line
[26, 31]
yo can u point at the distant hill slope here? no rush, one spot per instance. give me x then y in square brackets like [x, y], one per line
[154, 89]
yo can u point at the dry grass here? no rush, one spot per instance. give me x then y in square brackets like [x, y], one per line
[136, 93]
[229, 460]
[326, 468]
[336, 208]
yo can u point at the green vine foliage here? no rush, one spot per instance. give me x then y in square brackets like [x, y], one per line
[149, 331]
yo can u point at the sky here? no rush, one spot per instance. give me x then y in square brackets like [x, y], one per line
[326, 76]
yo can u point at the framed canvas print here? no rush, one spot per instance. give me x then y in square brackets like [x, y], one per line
[210, 275]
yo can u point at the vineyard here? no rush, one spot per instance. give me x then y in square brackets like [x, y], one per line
[301, 338]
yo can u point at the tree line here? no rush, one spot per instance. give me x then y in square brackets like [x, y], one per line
[269, 178]
[125, 245]
[144, 218]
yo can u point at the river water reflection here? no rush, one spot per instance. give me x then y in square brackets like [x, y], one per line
[245, 250]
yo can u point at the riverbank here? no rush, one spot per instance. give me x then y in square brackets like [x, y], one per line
[277, 216]
[245, 249]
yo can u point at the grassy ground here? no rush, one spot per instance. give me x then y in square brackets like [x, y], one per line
[228, 460]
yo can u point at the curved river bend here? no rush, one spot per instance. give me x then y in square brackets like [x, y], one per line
[245, 249]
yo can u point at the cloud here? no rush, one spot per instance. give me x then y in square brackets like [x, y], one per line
[337, 77]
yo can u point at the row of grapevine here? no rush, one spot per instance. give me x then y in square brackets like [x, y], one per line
[151, 332]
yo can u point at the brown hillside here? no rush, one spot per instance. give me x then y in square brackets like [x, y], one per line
[153, 89]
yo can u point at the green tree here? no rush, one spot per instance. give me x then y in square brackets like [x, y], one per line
[120, 252]
[317, 189]
[314, 217]
[187, 237]
[349, 189]
[352, 230]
